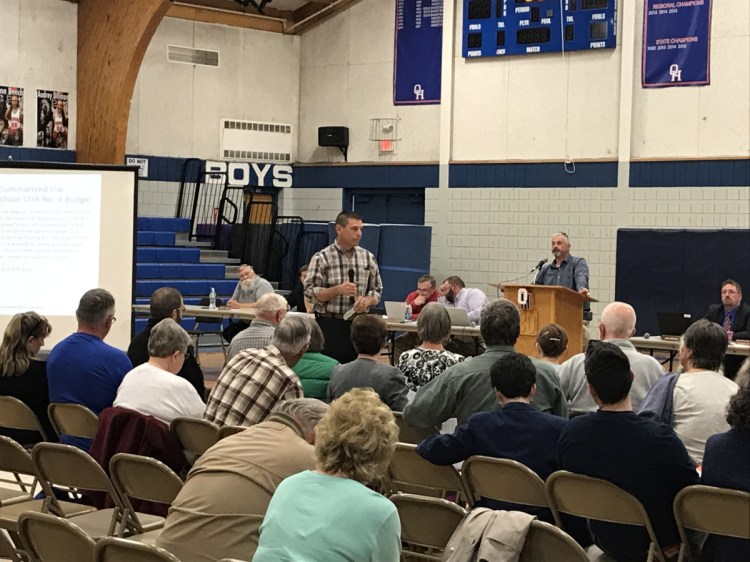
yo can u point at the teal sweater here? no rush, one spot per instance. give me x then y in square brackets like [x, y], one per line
[314, 372]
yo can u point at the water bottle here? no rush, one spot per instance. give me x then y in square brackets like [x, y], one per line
[407, 313]
[212, 299]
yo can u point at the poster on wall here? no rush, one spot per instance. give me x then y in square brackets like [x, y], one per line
[418, 52]
[52, 124]
[11, 116]
[676, 43]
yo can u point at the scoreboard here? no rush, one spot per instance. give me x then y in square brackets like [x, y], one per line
[518, 27]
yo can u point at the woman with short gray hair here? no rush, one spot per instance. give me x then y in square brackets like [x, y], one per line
[153, 388]
[422, 364]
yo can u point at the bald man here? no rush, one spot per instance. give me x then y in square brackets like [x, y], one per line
[566, 270]
[617, 325]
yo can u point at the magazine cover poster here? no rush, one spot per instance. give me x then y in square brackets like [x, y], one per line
[11, 124]
[52, 126]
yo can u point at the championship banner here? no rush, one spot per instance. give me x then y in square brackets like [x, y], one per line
[418, 52]
[676, 43]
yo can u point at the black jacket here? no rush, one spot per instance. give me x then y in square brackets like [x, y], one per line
[741, 324]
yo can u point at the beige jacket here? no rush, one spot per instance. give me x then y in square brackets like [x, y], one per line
[488, 535]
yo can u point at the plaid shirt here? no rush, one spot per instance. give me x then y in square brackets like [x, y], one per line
[249, 387]
[256, 336]
[330, 267]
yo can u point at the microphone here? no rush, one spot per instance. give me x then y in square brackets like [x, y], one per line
[539, 265]
[351, 280]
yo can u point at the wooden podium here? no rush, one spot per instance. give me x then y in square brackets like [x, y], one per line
[547, 304]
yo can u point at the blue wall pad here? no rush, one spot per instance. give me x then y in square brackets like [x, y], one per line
[404, 257]
[21, 154]
[194, 301]
[676, 270]
[192, 288]
[691, 173]
[162, 168]
[168, 255]
[397, 283]
[180, 271]
[415, 175]
[163, 224]
[151, 238]
[370, 237]
[548, 174]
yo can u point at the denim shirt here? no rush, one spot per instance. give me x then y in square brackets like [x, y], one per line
[573, 273]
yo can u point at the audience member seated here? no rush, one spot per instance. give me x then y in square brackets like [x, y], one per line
[454, 293]
[82, 369]
[430, 359]
[743, 375]
[694, 402]
[269, 311]
[426, 293]
[616, 326]
[466, 388]
[517, 431]
[733, 315]
[551, 344]
[314, 368]
[249, 289]
[330, 514]
[153, 388]
[296, 298]
[166, 302]
[256, 380]
[368, 335]
[22, 376]
[644, 458]
[218, 512]
[726, 464]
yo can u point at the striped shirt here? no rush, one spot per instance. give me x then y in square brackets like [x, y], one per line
[331, 266]
[256, 336]
[250, 386]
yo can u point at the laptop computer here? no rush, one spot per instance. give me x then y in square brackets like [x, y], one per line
[459, 316]
[673, 324]
[395, 310]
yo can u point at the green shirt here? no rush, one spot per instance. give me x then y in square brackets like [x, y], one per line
[315, 517]
[314, 372]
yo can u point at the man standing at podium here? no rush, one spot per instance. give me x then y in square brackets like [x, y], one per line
[566, 271]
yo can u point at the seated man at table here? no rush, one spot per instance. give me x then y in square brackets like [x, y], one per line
[454, 293]
[644, 458]
[219, 510]
[249, 289]
[269, 311]
[466, 388]
[617, 325]
[733, 316]
[166, 302]
[426, 293]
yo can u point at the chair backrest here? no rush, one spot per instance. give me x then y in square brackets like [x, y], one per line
[503, 479]
[408, 472]
[410, 434]
[15, 414]
[228, 430]
[427, 522]
[719, 511]
[16, 460]
[113, 549]
[48, 538]
[73, 419]
[143, 478]
[547, 543]
[195, 435]
[597, 499]
[205, 301]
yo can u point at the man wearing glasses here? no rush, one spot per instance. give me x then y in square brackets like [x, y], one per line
[166, 302]
[566, 271]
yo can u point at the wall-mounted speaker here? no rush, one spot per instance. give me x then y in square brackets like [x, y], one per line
[333, 136]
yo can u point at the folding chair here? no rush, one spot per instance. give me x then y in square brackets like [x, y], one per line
[14, 459]
[14, 414]
[48, 538]
[409, 433]
[547, 543]
[410, 473]
[217, 323]
[68, 467]
[600, 500]
[75, 420]
[504, 480]
[123, 550]
[427, 524]
[195, 435]
[228, 430]
[708, 509]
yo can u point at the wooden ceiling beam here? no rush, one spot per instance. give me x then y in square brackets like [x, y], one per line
[232, 6]
[221, 17]
[314, 13]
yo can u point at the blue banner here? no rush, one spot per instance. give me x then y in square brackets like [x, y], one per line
[676, 43]
[418, 52]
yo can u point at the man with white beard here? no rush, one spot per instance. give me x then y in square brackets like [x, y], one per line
[249, 289]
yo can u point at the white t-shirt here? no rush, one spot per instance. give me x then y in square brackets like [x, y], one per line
[155, 392]
[700, 409]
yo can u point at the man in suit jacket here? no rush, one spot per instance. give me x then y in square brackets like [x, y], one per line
[734, 316]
